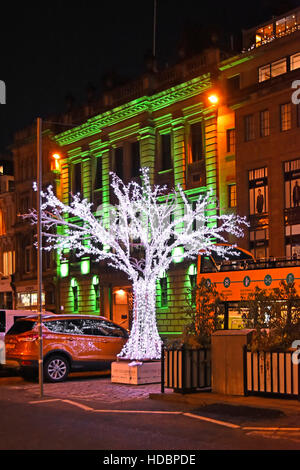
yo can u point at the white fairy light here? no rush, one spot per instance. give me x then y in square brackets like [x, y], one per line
[139, 240]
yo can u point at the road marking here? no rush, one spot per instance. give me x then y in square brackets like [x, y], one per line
[79, 405]
[211, 420]
[249, 429]
[141, 412]
[252, 428]
[44, 401]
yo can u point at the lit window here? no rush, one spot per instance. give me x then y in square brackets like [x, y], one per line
[264, 73]
[232, 195]
[279, 67]
[8, 262]
[285, 117]
[295, 61]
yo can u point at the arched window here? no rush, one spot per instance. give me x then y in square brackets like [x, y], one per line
[74, 287]
[96, 287]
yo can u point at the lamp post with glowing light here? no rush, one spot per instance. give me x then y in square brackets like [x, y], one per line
[213, 98]
[56, 162]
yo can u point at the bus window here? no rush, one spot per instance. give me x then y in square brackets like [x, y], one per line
[207, 265]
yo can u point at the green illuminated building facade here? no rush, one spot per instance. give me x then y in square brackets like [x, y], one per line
[166, 122]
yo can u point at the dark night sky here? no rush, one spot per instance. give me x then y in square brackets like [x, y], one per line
[56, 48]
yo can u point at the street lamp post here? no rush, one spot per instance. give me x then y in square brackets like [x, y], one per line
[39, 246]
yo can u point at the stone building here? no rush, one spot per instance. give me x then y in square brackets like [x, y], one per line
[267, 126]
[7, 220]
[24, 152]
[169, 122]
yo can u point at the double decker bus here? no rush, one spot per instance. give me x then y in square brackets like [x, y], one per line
[239, 275]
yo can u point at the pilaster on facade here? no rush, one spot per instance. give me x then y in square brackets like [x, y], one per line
[211, 152]
[147, 138]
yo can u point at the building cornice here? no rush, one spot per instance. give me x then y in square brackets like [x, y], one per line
[150, 104]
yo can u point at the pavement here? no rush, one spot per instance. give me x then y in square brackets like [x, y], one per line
[86, 387]
[203, 399]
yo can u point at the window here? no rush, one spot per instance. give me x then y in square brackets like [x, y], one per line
[279, 67]
[76, 178]
[258, 191]
[135, 159]
[264, 123]
[233, 83]
[8, 263]
[166, 160]
[285, 117]
[97, 296]
[27, 266]
[75, 298]
[21, 326]
[295, 61]
[197, 142]
[47, 259]
[249, 127]
[264, 73]
[2, 223]
[163, 291]
[230, 140]
[98, 174]
[232, 195]
[119, 162]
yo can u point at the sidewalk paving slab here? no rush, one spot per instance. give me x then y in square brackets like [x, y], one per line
[202, 399]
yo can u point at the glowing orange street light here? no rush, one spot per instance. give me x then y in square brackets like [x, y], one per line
[56, 157]
[213, 99]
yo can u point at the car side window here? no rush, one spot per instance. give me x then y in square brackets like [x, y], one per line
[113, 330]
[93, 327]
[55, 326]
[66, 326]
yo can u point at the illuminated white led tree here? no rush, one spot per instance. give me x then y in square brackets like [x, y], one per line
[139, 236]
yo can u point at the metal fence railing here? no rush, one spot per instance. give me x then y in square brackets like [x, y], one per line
[271, 373]
[186, 370]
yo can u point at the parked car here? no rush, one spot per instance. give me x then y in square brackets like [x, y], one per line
[70, 343]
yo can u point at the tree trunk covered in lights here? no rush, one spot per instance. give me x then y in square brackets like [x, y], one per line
[144, 341]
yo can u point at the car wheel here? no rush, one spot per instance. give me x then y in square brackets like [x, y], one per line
[56, 369]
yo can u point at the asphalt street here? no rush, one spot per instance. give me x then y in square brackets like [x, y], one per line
[68, 421]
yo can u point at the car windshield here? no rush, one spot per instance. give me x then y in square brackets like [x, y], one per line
[21, 326]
